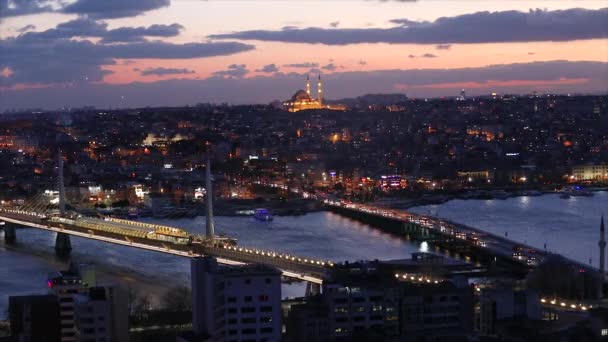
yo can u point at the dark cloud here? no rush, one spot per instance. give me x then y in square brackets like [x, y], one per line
[480, 27]
[407, 22]
[270, 68]
[127, 34]
[362, 62]
[81, 27]
[443, 46]
[314, 71]
[26, 28]
[38, 59]
[233, 71]
[92, 8]
[426, 55]
[13, 8]
[263, 89]
[85, 27]
[162, 50]
[165, 71]
[302, 65]
[113, 8]
[334, 24]
[330, 67]
[531, 53]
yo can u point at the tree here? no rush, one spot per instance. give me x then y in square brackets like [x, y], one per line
[178, 298]
[120, 204]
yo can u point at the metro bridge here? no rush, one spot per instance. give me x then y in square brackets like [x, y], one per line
[158, 238]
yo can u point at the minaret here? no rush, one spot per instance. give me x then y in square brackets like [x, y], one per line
[308, 85]
[208, 202]
[320, 91]
[602, 245]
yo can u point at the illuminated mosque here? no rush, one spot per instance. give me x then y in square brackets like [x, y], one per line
[302, 100]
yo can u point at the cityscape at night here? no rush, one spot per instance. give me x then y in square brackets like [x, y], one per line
[268, 171]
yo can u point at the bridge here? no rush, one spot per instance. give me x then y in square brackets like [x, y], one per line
[158, 238]
[468, 242]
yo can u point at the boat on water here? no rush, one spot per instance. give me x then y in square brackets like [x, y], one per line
[532, 193]
[575, 191]
[500, 194]
[262, 214]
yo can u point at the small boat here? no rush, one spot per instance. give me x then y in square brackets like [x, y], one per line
[262, 214]
[578, 191]
[564, 195]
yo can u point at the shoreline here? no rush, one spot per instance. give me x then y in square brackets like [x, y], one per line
[138, 282]
[430, 199]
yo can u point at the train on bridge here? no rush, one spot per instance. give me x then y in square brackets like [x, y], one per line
[133, 230]
[128, 228]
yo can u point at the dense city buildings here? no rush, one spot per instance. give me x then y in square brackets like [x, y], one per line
[328, 171]
[76, 309]
[152, 163]
[383, 154]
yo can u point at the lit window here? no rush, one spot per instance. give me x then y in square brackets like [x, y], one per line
[604, 332]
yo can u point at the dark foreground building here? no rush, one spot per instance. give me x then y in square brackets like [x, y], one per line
[370, 305]
[34, 318]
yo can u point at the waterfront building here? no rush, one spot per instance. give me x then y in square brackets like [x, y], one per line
[474, 175]
[65, 285]
[101, 314]
[367, 302]
[235, 303]
[594, 172]
[34, 318]
[505, 304]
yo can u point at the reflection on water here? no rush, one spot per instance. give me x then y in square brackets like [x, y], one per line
[566, 226]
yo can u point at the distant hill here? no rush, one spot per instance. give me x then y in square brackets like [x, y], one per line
[372, 99]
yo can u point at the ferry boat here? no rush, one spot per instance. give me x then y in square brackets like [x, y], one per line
[576, 191]
[262, 214]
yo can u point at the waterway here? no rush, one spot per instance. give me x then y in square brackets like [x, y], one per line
[566, 226]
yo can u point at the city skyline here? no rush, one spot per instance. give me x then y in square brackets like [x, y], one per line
[131, 54]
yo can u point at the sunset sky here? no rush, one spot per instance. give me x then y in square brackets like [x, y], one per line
[126, 53]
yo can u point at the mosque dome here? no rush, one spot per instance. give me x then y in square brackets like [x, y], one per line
[301, 95]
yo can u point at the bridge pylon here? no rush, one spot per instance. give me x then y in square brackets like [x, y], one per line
[10, 233]
[312, 289]
[209, 223]
[63, 245]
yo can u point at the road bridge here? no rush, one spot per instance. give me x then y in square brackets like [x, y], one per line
[468, 242]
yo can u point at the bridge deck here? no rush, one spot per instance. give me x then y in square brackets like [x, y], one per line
[492, 243]
[292, 266]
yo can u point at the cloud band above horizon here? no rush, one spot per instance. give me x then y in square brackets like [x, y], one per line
[480, 27]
